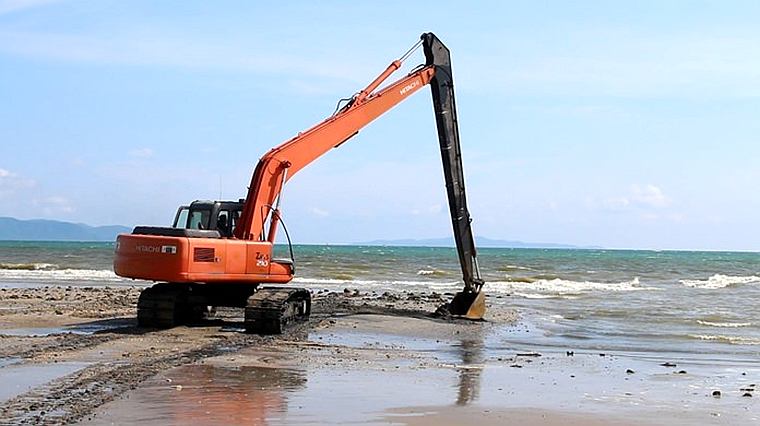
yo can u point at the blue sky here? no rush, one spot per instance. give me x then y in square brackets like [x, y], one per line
[590, 123]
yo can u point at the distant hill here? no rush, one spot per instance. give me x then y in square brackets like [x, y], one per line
[53, 230]
[479, 241]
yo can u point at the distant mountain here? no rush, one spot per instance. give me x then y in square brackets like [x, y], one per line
[53, 230]
[479, 241]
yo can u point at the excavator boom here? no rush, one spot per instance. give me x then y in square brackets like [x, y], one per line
[284, 161]
[201, 264]
[281, 163]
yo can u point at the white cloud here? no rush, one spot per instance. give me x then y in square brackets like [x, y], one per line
[435, 209]
[622, 63]
[55, 204]
[141, 153]
[185, 51]
[11, 182]
[649, 195]
[616, 203]
[639, 197]
[10, 6]
[430, 210]
[319, 212]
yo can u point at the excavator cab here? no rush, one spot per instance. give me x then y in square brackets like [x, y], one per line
[221, 216]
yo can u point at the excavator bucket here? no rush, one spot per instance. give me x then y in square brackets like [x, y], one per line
[467, 304]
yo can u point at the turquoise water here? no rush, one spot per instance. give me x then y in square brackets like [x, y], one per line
[701, 303]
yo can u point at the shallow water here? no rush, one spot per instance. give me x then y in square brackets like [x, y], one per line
[639, 301]
[432, 375]
[82, 328]
[17, 377]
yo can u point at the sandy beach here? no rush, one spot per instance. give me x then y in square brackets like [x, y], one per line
[74, 355]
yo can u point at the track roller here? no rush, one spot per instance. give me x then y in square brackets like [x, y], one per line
[167, 305]
[270, 309]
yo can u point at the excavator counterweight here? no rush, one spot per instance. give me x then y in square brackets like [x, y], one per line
[218, 253]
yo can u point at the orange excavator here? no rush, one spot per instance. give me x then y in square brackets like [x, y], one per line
[218, 253]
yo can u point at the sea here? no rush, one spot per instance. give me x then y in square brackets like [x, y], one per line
[693, 303]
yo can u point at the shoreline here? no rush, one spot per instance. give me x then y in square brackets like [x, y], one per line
[383, 352]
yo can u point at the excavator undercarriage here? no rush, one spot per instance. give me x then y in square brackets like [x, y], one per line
[267, 310]
[219, 253]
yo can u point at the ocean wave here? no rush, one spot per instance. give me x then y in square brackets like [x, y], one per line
[331, 281]
[539, 296]
[521, 287]
[733, 340]
[508, 268]
[718, 281]
[724, 324]
[520, 279]
[432, 273]
[559, 287]
[60, 274]
[328, 282]
[28, 266]
[343, 276]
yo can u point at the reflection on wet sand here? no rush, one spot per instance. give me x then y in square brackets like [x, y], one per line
[204, 394]
[236, 395]
[471, 352]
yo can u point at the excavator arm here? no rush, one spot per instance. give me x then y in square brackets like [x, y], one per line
[282, 162]
[470, 302]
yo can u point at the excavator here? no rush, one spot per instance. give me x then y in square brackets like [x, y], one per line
[219, 253]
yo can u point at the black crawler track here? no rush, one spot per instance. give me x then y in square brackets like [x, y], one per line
[270, 309]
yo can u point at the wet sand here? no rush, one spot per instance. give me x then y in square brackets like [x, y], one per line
[74, 354]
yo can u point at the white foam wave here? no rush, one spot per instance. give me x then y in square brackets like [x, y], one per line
[536, 296]
[329, 282]
[432, 272]
[28, 266]
[60, 275]
[539, 289]
[724, 324]
[718, 281]
[517, 268]
[734, 340]
[542, 289]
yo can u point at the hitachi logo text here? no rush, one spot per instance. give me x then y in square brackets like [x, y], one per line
[409, 87]
[156, 249]
[148, 249]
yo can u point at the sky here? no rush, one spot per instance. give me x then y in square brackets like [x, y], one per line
[614, 124]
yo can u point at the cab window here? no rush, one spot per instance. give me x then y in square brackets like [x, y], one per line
[181, 220]
[235, 220]
[199, 219]
[223, 223]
